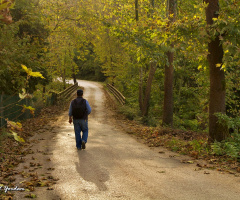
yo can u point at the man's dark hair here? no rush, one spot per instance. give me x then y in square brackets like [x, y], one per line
[80, 92]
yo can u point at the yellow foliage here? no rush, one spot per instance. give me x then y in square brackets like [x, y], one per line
[17, 137]
[31, 109]
[14, 125]
[31, 73]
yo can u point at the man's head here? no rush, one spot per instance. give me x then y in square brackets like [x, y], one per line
[79, 93]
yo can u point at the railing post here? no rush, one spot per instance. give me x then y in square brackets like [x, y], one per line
[54, 98]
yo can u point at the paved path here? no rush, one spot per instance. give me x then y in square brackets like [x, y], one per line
[117, 166]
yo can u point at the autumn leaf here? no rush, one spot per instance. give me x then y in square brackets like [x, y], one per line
[32, 196]
[14, 125]
[36, 74]
[17, 138]
[30, 108]
[31, 73]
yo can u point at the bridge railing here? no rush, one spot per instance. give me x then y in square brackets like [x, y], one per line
[118, 95]
[65, 95]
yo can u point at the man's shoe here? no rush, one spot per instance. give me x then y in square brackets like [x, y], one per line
[83, 145]
[79, 149]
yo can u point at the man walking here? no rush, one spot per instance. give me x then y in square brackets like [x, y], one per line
[80, 109]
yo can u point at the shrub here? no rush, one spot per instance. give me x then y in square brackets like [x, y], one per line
[229, 147]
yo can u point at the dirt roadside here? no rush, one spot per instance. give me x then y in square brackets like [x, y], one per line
[114, 165]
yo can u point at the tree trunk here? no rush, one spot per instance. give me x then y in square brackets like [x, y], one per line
[136, 10]
[148, 89]
[43, 91]
[144, 98]
[169, 72]
[168, 92]
[74, 75]
[64, 71]
[64, 78]
[140, 90]
[217, 131]
[140, 87]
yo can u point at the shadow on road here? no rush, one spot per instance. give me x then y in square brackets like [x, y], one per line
[90, 171]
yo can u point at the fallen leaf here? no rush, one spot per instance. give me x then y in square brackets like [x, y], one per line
[161, 172]
[187, 161]
[17, 138]
[32, 196]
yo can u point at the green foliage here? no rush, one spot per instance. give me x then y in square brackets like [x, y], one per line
[233, 123]
[105, 42]
[175, 144]
[217, 148]
[129, 112]
[21, 47]
[199, 145]
[230, 147]
[186, 124]
[88, 63]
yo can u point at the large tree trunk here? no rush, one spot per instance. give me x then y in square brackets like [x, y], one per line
[217, 131]
[169, 72]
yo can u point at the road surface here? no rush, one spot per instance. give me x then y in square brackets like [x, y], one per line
[115, 165]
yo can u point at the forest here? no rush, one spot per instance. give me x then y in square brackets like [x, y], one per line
[176, 62]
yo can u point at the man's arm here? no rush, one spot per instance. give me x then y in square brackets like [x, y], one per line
[89, 109]
[70, 113]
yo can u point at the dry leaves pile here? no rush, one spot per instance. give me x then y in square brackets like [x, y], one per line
[13, 151]
[188, 143]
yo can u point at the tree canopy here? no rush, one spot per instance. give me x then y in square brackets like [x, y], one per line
[127, 43]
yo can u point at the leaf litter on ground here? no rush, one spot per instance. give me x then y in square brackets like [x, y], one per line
[16, 145]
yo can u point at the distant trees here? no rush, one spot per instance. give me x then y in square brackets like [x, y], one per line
[173, 69]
